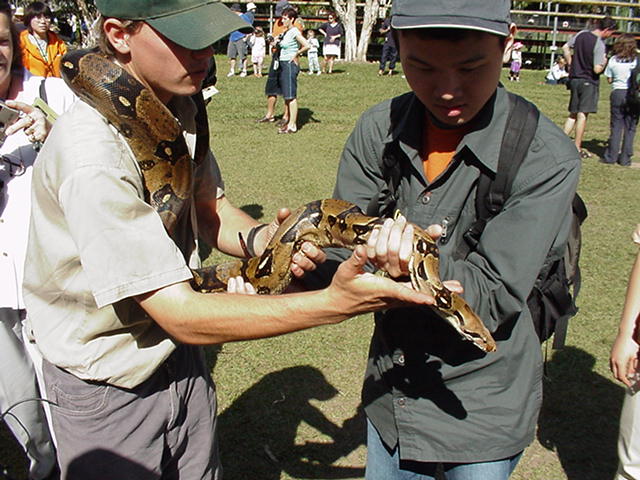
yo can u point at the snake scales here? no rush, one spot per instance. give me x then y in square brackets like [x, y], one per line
[155, 137]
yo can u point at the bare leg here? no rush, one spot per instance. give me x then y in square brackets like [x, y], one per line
[232, 67]
[569, 123]
[271, 105]
[330, 66]
[581, 125]
[292, 106]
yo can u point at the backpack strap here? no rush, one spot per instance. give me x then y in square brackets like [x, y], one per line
[492, 191]
[43, 91]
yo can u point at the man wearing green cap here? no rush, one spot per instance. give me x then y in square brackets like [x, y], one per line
[432, 400]
[107, 287]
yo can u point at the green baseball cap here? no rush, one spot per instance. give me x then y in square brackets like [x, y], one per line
[193, 24]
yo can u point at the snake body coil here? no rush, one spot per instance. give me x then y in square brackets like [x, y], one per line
[155, 137]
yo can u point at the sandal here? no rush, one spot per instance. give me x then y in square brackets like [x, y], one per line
[286, 129]
[282, 122]
[266, 120]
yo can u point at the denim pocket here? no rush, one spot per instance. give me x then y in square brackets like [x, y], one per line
[73, 396]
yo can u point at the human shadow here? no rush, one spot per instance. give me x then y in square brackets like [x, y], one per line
[106, 465]
[305, 115]
[580, 416]
[254, 210]
[258, 431]
[595, 146]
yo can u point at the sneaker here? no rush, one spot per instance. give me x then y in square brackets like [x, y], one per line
[230, 74]
[310, 73]
[243, 74]
[318, 73]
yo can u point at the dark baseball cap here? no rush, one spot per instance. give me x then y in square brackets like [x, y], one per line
[193, 24]
[280, 6]
[492, 16]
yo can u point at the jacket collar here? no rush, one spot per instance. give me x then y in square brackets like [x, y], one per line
[407, 126]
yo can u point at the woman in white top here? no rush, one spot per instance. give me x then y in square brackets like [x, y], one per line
[18, 385]
[623, 123]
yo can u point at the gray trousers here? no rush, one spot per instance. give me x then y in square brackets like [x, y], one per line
[623, 129]
[18, 383]
[165, 428]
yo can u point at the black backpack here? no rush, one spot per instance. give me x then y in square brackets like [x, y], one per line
[632, 102]
[552, 300]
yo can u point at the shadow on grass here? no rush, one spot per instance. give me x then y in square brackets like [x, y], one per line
[305, 116]
[13, 461]
[258, 431]
[580, 415]
[595, 146]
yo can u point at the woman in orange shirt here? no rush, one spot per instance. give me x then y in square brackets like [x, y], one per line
[41, 49]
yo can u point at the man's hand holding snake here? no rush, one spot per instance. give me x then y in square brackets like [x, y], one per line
[303, 261]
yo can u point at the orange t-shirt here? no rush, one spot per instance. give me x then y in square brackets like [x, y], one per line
[439, 146]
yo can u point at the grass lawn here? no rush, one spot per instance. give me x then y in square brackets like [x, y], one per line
[289, 406]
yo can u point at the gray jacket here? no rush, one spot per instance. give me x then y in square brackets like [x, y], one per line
[437, 396]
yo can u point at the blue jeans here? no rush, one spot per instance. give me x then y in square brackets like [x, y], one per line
[288, 79]
[385, 465]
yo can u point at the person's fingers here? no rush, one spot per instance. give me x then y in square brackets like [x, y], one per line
[240, 286]
[434, 231]
[231, 285]
[356, 262]
[371, 243]
[282, 215]
[453, 286]
[406, 247]
[383, 241]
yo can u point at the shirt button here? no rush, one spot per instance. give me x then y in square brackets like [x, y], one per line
[426, 198]
[401, 360]
[401, 402]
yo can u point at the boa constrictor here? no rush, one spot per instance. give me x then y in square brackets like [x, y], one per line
[155, 137]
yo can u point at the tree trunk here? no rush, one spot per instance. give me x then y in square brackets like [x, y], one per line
[368, 21]
[346, 11]
[356, 49]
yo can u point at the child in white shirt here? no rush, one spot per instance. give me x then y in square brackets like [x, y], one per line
[258, 50]
[312, 53]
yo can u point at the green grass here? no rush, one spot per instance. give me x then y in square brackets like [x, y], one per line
[289, 406]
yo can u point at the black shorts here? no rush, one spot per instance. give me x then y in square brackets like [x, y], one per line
[272, 87]
[584, 96]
